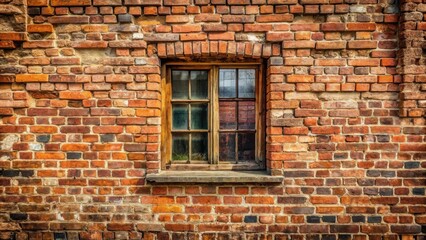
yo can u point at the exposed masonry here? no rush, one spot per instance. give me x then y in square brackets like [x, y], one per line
[80, 100]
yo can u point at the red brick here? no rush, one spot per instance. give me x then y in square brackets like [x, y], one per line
[205, 200]
[298, 44]
[331, 45]
[7, 44]
[300, 78]
[237, 18]
[167, 209]
[228, 36]
[205, 17]
[13, 36]
[68, 19]
[362, 44]
[40, 28]
[12, 129]
[43, 129]
[38, 44]
[32, 78]
[333, 27]
[364, 62]
[107, 129]
[65, 61]
[259, 200]
[179, 227]
[37, 3]
[275, 18]
[279, 36]
[177, 19]
[362, 79]
[361, 26]
[305, 27]
[186, 28]
[75, 95]
[120, 226]
[325, 130]
[257, 27]
[193, 37]
[49, 155]
[176, 2]
[56, 3]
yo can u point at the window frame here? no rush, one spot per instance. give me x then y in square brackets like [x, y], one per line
[213, 136]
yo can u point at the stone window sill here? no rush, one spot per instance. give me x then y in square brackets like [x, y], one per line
[213, 177]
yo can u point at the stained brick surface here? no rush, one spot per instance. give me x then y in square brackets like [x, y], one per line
[80, 107]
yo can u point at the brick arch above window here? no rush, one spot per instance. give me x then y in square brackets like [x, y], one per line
[218, 49]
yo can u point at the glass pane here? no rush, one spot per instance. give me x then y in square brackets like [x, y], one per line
[199, 84]
[246, 83]
[227, 147]
[199, 115]
[180, 147]
[180, 116]
[227, 82]
[227, 115]
[199, 146]
[246, 115]
[180, 84]
[246, 144]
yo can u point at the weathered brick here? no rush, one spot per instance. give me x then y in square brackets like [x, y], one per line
[74, 95]
[237, 19]
[56, 3]
[362, 44]
[331, 45]
[32, 78]
[279, 36]
[37, 3]
[68, 19]
[298, 44]
[40, 28]
[177, 19]
[275, 18]
[333, 27]
[13, 36]
[361, 26]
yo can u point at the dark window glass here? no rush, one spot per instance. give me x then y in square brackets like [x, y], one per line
[180, 147]
[199, 84]
[199, 113]
[180, 84]
[227, 83]
[180, 116]
[227, 147]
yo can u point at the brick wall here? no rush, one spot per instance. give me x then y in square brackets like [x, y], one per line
[80, 100]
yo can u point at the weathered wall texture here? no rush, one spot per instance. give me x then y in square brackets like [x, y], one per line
[80, 100]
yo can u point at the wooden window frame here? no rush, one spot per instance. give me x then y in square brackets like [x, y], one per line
[213, 95]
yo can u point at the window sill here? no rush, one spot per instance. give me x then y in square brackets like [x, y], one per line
[213, 177]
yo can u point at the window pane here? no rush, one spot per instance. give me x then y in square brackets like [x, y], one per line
[246, 144]
[227, 115]
[180, 116]
[246, 83]
[180, 147]
[227, 83]
[246, 115]
[180, 84]
[227, 147]
[199, 146]
[199, 115]
[199, 84]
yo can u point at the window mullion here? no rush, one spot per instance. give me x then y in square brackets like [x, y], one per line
[214, 115]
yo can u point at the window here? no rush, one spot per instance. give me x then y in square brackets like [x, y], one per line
[212, 117]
